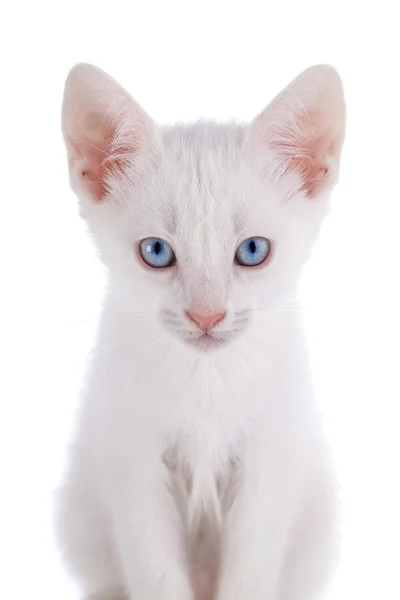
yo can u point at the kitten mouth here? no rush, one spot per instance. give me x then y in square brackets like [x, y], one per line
[205, 341]
[208, 341]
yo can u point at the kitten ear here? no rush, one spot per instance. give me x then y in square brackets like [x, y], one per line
[305, 126]
[104, 130]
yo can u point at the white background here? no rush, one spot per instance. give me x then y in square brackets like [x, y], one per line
[184, 60]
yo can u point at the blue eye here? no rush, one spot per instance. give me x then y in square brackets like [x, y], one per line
[156, 253]
[253, 252]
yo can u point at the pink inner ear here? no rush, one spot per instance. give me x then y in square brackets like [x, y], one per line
[97, 157]
[312, 161]
[310, 150]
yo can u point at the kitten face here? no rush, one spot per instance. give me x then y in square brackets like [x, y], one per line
[203, 197]
[199, 192]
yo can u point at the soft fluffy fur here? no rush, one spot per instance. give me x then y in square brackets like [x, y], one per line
[198, 472]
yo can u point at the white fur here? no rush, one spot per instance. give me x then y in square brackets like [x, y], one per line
[201, 474]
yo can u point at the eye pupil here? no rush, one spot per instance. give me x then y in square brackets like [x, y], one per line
[157, 253]
[253, 251]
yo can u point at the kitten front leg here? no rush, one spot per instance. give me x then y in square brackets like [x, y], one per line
[255, 535]
[149, 538]
[314, 541]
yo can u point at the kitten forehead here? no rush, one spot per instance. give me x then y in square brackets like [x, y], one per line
[201, 162]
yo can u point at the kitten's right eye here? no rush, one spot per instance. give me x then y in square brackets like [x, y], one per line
[157, 253]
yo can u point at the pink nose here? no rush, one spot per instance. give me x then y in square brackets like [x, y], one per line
[205, 322]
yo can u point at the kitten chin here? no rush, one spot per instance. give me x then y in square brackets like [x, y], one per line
[208, 342]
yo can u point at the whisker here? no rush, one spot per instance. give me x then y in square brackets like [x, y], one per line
[139, 312]
[294, 306]
[240, 321]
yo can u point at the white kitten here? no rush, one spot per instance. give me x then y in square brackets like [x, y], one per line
[199, 469]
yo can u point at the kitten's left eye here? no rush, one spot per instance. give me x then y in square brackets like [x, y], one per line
[156, 253]
[253, 252]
